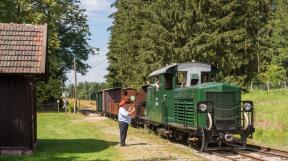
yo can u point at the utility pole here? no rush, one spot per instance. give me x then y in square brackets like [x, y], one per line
[75, 86]
[89, 94]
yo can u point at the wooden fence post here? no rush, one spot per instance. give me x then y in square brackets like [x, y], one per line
[268, 87]
[285, 85]
[251, 87]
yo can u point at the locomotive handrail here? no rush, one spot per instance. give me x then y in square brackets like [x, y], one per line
[210, 121]
[247, 121]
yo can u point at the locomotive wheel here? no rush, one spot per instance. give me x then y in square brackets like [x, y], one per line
[203, 140]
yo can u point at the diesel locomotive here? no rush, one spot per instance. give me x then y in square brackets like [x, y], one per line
[184, 102]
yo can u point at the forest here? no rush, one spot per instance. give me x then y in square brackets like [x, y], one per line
[246, 40]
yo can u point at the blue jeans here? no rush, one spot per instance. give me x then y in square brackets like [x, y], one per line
[123, 126]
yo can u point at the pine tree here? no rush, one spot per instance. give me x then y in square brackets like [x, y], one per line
[231, 35]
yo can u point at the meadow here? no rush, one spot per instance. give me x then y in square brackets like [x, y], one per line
[67, 137]
[271, 114]
[72, 137]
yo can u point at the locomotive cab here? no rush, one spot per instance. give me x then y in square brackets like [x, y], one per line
[191, 74]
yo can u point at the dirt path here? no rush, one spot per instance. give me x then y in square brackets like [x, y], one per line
[145, 146]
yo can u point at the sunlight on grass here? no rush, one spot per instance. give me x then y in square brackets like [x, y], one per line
[271, 112]
[66, 137]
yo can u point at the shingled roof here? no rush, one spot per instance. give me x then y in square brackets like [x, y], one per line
[22, 48]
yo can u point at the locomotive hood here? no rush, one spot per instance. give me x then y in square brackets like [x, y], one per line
[194, 91]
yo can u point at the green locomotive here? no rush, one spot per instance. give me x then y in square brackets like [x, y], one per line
[185, 103]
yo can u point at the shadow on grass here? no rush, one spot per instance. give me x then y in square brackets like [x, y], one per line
[65, 150]
[73, 145]
[136, 144]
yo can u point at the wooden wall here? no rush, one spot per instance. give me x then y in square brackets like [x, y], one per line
[17, 113]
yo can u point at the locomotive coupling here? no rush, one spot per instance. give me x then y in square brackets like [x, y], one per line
[193, 139]
[228, 137]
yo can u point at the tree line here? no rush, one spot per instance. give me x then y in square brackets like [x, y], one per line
[246, 40]
[68, 33]
[86, 90]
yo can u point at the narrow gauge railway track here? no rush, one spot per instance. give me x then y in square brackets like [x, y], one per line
[236, 155]
[264, 150]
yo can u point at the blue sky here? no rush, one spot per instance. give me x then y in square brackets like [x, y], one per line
[98, 12]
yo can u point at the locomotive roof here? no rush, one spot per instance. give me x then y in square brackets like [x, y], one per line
[181, 67]
[188, 66]
[162, 70]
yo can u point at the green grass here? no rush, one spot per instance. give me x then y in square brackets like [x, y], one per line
[67, 137]
[271, 113]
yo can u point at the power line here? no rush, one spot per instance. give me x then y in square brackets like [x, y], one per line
[99, 63]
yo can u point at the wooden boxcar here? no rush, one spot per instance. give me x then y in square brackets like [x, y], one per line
[108, 100]
[22, 63]
[140, 102]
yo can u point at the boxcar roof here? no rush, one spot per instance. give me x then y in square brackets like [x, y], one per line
[108, 89]
[23, 48]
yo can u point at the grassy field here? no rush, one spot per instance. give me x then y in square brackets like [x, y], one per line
[271, 117]
[65, 137]
[72, 137]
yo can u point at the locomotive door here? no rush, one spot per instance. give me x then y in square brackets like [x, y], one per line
[167, 113]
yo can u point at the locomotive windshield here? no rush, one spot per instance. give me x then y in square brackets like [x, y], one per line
[207, 77]
[181, 78]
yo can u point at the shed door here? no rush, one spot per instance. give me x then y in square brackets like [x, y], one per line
[16, 114]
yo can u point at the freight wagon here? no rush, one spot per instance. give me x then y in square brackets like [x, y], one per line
[108, 100]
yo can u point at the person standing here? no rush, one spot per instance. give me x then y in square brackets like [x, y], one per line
[124, 118]
[65, 103]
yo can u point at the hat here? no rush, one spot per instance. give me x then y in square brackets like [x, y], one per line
[122, 103]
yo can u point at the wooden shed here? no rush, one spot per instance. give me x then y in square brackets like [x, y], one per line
[22, 63]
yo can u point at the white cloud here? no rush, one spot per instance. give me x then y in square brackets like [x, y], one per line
[93, 6]
[97, 12]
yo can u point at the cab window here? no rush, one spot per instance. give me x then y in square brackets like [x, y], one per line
[205, 77]
[168, 81]
[181, 78]
[194, 79]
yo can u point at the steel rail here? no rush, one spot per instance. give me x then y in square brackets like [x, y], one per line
[247, 155]
[267, 149]
[223, 156]
[264, 150]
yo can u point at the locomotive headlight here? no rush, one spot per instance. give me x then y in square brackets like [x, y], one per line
[202, 107]
[248, 106]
